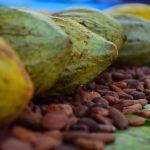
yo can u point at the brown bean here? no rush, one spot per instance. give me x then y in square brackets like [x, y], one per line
[52, 121]
[132, 109]
[143, 102]
[144, 113]
[89, 96]
[106, 76]
[30, 118]
[112, 93]
[91, 123]
[105, 137]
[102, 92]
[25, 134]
[14, 144]
[101, 88]
[115, 88]
[139, 74]
[83, 127]
[123, 95]
[88, 144]
[66, 147]
[111, 99]
[101, 119]
[91, 86]
[137, 121]
[147, 83]
[46, 143]
[120, 84]
[138, 95]
[131, 83]
[81, 111]
[140, 86]
[147, 91]
[72, 120]
[106, 128]
[60, 108]
[118, 105]
[120, 92]
[135, 106]
[100, 102]
[78, 96]
[146, 70]
[119, 119]
[103, 78]
[117, 76]
[128, 91]
[100, 110]
[56, 134]
[128, 103]
[148, 99]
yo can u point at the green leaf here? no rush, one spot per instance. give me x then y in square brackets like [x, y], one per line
[147, 107]
[147, 121]
[134, 138]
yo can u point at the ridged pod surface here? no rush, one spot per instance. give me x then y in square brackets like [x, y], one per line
[136, 50]
[92, 54]
[136, 9]
[98, 22]
[42, 46]
[16, 88]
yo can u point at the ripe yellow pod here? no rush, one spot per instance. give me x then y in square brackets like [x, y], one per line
[16, 88]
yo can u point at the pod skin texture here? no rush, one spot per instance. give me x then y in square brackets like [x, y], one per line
[16, 88]
[92, 54]
[42, 46]
[136, 9]
[98, 22]
[136, 50]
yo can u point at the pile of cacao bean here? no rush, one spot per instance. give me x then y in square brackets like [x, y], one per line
[86, 120]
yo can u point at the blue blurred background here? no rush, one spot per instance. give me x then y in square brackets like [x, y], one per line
[56, 5]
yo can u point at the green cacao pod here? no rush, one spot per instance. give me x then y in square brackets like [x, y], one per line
[136, 50]
[42, 46]
[98, 22]
[92, 54]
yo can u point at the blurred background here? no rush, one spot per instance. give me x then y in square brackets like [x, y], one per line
[56, 5]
